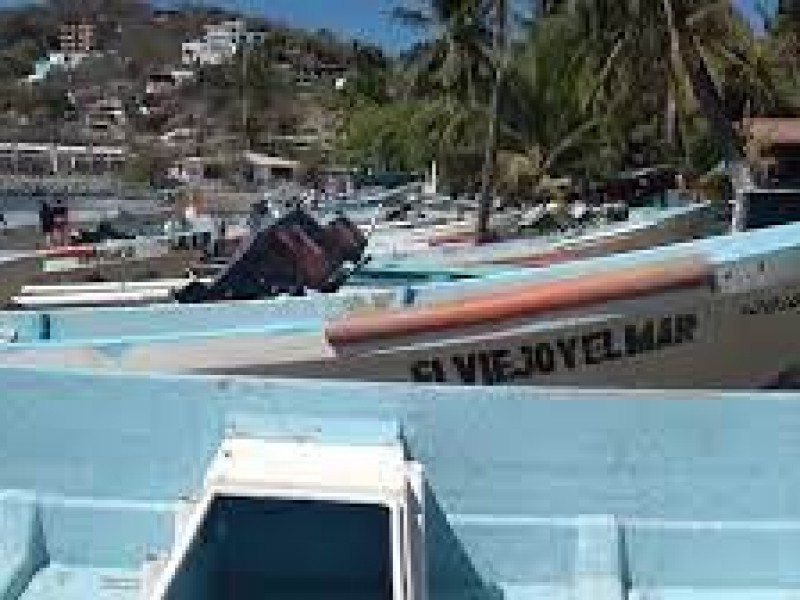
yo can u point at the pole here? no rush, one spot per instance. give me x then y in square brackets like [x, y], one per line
[490, 155]
[245, 104]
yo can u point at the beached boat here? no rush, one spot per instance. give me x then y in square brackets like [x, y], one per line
[421, 260]
[454, 244]
[168, 320]
[117, 261]
[718, 312]
[15, 272]
[146, 488]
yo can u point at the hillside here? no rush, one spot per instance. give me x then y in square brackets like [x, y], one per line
[277, 94]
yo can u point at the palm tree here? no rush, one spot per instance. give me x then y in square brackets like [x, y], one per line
[680, 47]
[551, 121]
[461, 63]
[454, 59]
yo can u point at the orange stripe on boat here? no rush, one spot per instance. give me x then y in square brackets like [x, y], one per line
[81, 251]
[520, 301]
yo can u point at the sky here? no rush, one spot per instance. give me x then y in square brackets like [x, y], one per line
[366, 19]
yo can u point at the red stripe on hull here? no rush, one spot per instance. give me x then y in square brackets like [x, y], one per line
[524, 301]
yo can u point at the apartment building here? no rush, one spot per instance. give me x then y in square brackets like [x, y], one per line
[78, 37]
[221, 42]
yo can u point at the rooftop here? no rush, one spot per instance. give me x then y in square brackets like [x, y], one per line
[773, 132]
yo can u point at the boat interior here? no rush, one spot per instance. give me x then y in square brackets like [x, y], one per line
[556, 494]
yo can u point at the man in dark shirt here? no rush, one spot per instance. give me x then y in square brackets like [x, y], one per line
[60, 222]
[46, 221]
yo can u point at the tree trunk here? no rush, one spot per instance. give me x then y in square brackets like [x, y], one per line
[705, 90]
[710, 102]
[490, 155]
[675, 63]
[671, 117]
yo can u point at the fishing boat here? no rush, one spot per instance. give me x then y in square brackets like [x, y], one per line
[110, 261]
[717, 312]
[52, 324]
[393, 257]
[115, 260]
[127, 487]
[15, 272]
[643, 227]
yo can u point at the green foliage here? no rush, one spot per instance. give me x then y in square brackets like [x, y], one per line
[16, 61]
[552, 121]
[146, 166]
[592, 87]
[390, 136]
[588, 88]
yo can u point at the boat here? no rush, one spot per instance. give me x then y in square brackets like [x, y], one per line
[15, 272]
[54, 322]
[719, 312]
[643, 227]
[126, 487]
[115, 260]
[110, 261]
[77, 276]
[107, 293]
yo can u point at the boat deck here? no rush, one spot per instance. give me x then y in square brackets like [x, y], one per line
[530, 494]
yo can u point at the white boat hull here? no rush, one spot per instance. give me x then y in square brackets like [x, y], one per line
[719, 313]
[680, 341]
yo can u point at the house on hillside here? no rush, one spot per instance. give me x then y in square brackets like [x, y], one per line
[260, 169]
[167, 82]
[77, 37]
[53, 62]
[221, 42]
[774, 150]
[55, 159]
[106, 115]
[77, 41]
[265, 170]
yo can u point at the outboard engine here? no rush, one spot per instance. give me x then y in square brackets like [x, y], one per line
[294, 254]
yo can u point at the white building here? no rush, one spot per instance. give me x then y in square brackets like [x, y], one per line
[105, 114]
[53, 159]
[267, 169]
[221, 42]
[54, 61]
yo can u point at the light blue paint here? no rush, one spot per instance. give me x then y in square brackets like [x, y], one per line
[599, 573]
[22, 550]
[172, 319]
[65, 582]
[782, 240]
[525, 486]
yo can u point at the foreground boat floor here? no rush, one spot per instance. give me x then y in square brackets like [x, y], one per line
[529, 494]
[74, 582]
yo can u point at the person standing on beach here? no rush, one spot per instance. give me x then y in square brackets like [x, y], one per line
[60, 222]
[46, 222]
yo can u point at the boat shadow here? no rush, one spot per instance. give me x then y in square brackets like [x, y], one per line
[451, 572]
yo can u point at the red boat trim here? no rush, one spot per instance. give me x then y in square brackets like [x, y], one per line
[82, 251]
[521, 301]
